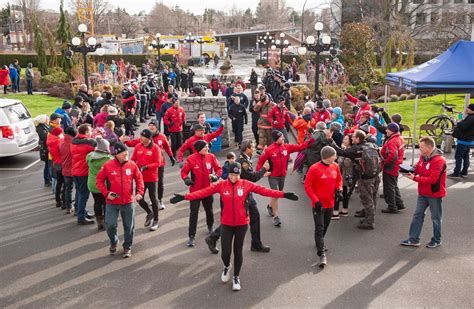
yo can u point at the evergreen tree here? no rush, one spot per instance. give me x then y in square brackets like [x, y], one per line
[39, 48]
[64, 37]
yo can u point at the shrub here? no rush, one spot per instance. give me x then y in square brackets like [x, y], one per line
[351, 89]
[381, 99]
[60, 90]
[403, 96]
[411, 96]
[56, 75]
[394, 98]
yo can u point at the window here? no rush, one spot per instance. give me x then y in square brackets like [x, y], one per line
[420, 18]
[16, 112]
[458, 1]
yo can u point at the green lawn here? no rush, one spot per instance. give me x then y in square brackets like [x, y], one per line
[37, 104]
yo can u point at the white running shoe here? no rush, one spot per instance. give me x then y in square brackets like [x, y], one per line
[154, 226]
[236, 283]
[161, 205]
[225, 277]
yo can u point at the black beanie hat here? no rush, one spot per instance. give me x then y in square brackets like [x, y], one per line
[71, 131]
[276, 135]
[119, 147]
[146, 133]
[199, 145]
[235, 168]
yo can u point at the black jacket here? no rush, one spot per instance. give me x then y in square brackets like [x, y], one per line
[247, 169]
[464, 130]
[253, 79]
[85, 96]
[238, 113]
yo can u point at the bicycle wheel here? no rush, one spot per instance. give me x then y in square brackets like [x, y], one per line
[433, 120]
[442, 123]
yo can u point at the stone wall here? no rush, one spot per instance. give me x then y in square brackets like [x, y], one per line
[214, 107]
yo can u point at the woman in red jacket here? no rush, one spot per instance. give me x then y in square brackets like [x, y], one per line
[4, 78]
[53, 140]
[234, 215]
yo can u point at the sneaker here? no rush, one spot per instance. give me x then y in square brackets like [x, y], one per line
[161, 205]
[390, 211]
[236, 283]
[148, 219]
[401, 207]
[343, 214]
[154, 226]
[335, 217]
[69, 211]
[464, 175]
[261, 248]
[211, 244]
[225, 277]
[433, 244]
[191, 242]
[453, 175]
[409, 243]
[276, 221]
[270, 210]
[323, 261]
[59, 203]
[127, 253]
[113, 248]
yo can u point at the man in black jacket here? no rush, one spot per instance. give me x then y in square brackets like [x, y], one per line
[464, 132]
[247, 150]
[253, 82]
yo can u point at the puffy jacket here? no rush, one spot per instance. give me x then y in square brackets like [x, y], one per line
[189, 144]
[302, 126]
[278, 116]
[174, 119]
[95, 161]
[322, 116]
[233, 196]
[66, 156]
[392, 152]
[149, 156]
[4, 77]
[81, 145]
[200, 166]
[427, 172]
[278, 156]
[52, 142]
[118, 178]
[321, 183]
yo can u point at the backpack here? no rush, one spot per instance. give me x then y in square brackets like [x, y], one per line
[370, 163]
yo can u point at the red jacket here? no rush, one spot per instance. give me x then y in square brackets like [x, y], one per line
[81, 145]
[322, 116]
[241, 83]
[149, 156]
[427, 172]
[200, 166]
[162, 98]
[351, 98]
[52, 141]
[278, 156]
[215, 84]
[66, 156]
[4, 76]
[321, 183]
[362, 109]
[118, 178]
[130, 102]
[233, 197]
[100, 119]
[372, 130]
[162, 142]
[189, 144]
[280, 115]
[392, 152]
[174, 119]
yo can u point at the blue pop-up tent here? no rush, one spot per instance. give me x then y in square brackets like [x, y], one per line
[450, 72]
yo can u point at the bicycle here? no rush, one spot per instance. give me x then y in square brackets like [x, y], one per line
[443, 122]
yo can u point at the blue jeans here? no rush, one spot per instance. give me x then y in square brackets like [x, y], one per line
[462, 159]
[419, 216]
[68, 184]
[47, 172]
[127, 212]
[29, 84]
[82, 195]
[14, 83]
[18, 83]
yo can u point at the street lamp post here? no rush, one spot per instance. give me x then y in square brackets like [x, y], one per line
[80, 45]
[156, 44]
[200, 41]
[268, 40]
[281, 44]
[260, 44]
[317, 45]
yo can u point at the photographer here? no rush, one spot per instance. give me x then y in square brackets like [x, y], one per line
[464, 132]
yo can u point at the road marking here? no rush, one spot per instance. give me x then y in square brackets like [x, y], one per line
[19, 168]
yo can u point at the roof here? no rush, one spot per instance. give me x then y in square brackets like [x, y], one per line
[8, 102]
[252, 32]
[450, 72]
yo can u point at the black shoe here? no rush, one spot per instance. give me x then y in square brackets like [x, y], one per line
[464, 175]
[47, 184]
[261, 248]
[390, 211]
[211, 244]
[90, 216]
[59, 204]
[360, 214]
[401, 207]
[86, 221]
[209, 230]
[453, 175]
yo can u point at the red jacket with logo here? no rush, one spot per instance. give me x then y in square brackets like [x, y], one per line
[118, 178]
[81, 145]
[321, 183]
[280, 115]
[149, 156]
[53, 142]
[362, 109]
[66, 156]
[174, 118]
[162, 98]
[200, 166]
[322, 116]
[160, 140]
[427, 173]
[392, 152]
[189, 144]
[278, 156]
[233, 197]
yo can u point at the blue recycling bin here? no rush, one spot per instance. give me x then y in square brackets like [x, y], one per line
[215, 123]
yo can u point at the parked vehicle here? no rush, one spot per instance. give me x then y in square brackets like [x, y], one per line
[17, 129]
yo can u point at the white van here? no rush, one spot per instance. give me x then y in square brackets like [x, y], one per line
[17, 129]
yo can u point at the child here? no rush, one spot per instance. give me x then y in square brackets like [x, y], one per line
[238, 115]
[346, 166]
[225, 168]
[323, 185]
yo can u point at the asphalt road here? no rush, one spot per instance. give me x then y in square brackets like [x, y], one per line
[48, 261]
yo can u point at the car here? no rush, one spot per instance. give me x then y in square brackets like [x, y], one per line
[17, 129]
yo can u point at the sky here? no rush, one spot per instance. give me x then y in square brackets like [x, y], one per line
[196, 7]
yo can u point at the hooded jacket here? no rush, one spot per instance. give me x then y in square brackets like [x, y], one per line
[66, 156]
[392, 153]
[53, 147]
[95, 161]
[81, 145]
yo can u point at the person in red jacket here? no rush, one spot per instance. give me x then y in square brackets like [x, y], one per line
[392, 152]
[66, 166]
[52, 141]
[363, 105]
[115, 181]
[81, 145]
[147, 156]
[278, 116]
[234, 215]
[430, 174]
[174, 119]
[323, 185]
[162, 98]
[4, 73]
[198, 135]
[278, 155]
[321, 114]
[204, 169]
